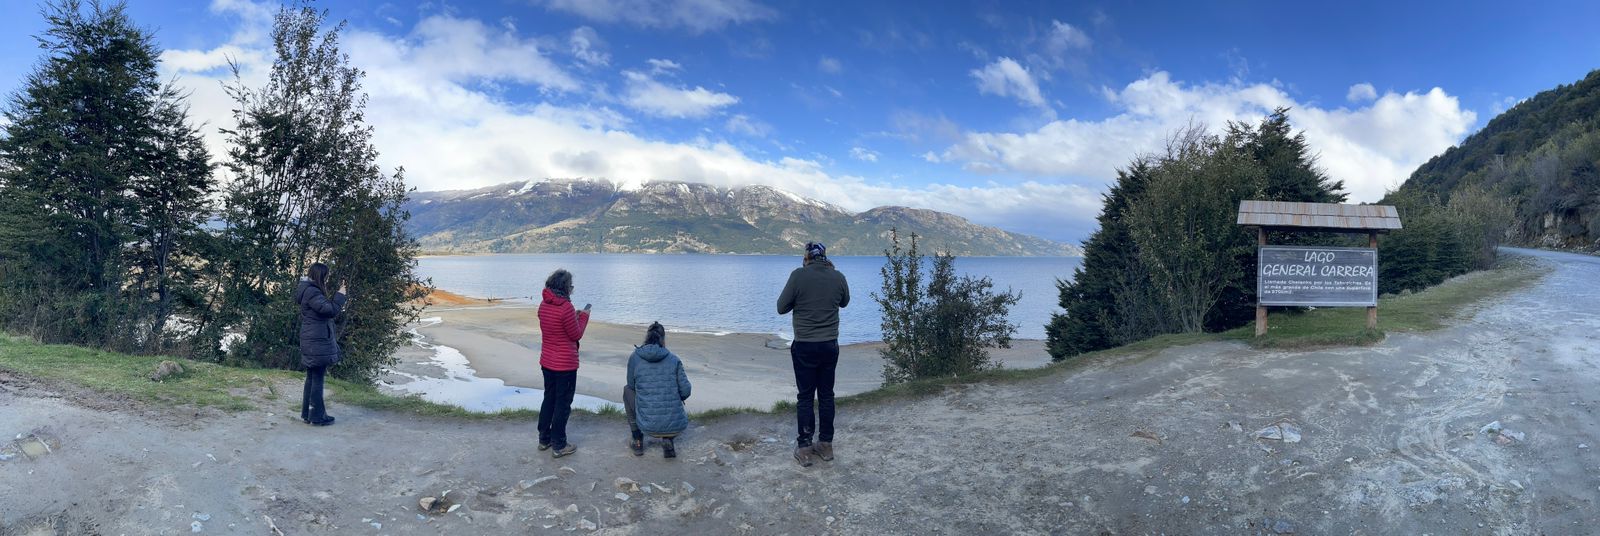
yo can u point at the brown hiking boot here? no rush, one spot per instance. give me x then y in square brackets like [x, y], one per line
[803, 456]
[824, 450]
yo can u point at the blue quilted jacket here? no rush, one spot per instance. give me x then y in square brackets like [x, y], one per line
[659, 389]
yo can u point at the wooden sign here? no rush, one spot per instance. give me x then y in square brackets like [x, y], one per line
[1313, 276]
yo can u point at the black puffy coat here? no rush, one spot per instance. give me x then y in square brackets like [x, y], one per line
[319, 337]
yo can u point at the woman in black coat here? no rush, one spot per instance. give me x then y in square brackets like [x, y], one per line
[319, 339]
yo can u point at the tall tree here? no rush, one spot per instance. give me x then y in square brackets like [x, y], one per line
[1291, 168]
[307, 188]
[101, 186]
[1091, 318]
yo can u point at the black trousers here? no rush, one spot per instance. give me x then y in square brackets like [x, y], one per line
[311, 406]
[559, 387]
[814, 364]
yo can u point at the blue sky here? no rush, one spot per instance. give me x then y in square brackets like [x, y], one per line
[1011, 114]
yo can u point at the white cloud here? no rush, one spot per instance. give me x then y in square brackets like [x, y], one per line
[696, 16]
[1361, 93]
[648, 95]
[448, 49]
[743, 124]
[830, 65]
[451, 129]
[661, 66]
[863, 154]
[587, 46]
[1007, 78]
[1370, 149]
[1064, 37]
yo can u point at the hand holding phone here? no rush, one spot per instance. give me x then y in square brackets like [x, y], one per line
[586, 307]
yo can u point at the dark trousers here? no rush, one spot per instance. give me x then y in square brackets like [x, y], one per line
[628, 398]
[311, 407]
[630, 406]
[559, 387]
[814, 364]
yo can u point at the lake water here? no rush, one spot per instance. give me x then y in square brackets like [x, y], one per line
[727, 293]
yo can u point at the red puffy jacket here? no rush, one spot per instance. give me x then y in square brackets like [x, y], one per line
[560, 327]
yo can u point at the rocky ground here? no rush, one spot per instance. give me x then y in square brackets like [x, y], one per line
[1392, 439]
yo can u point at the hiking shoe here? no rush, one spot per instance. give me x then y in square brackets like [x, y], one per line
[638, 447]
[824, 450]
[669, 450]
[324, 422]
[803, 456]
[563, 451]
[544, 445]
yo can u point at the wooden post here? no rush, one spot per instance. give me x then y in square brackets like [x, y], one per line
[1372, 312]
[1261, 311]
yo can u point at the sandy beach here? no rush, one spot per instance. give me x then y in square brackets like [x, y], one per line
[501, 341]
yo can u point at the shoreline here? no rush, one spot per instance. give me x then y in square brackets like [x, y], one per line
[432, 255]
[727, 370]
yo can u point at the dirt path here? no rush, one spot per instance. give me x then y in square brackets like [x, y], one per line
[1143, 445]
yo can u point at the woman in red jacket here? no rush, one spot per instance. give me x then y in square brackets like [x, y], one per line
[560, 328]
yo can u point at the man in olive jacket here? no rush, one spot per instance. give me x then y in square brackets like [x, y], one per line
[815, 292]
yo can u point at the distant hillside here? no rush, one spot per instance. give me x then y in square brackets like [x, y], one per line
[1544, 155]
[570, 216]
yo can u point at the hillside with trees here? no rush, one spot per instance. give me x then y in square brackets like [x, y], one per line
[1543, 155]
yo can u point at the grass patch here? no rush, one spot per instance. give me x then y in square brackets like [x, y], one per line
[205, 385]
[1428, 310]
[200, 385]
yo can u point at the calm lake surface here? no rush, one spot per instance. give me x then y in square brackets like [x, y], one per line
[727, 293]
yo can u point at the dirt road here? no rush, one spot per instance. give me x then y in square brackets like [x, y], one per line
[1390, 443]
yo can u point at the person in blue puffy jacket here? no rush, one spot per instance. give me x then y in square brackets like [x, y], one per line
[657, 387]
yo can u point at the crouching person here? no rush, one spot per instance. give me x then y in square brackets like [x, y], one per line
[657, 387]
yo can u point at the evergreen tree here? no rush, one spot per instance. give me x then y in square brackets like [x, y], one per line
[102, 187]
[1292, 174]
[1291, 169]
[1090, 318]
[307, 188]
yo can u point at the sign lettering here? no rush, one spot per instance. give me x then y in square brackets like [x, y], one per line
[1317, 276]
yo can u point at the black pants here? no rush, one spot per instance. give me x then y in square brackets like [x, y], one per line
[814, 364]
[630, 406]
[628, 400]
[559, 387]
[311, 407]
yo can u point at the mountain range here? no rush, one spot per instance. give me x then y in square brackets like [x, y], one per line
[581, 215]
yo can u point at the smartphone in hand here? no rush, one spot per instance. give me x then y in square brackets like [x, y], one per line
[586, 307]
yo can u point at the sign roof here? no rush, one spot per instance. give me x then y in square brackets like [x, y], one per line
[1319, 215]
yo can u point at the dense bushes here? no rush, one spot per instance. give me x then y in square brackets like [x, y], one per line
[1440, 240]
[1168, 256]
